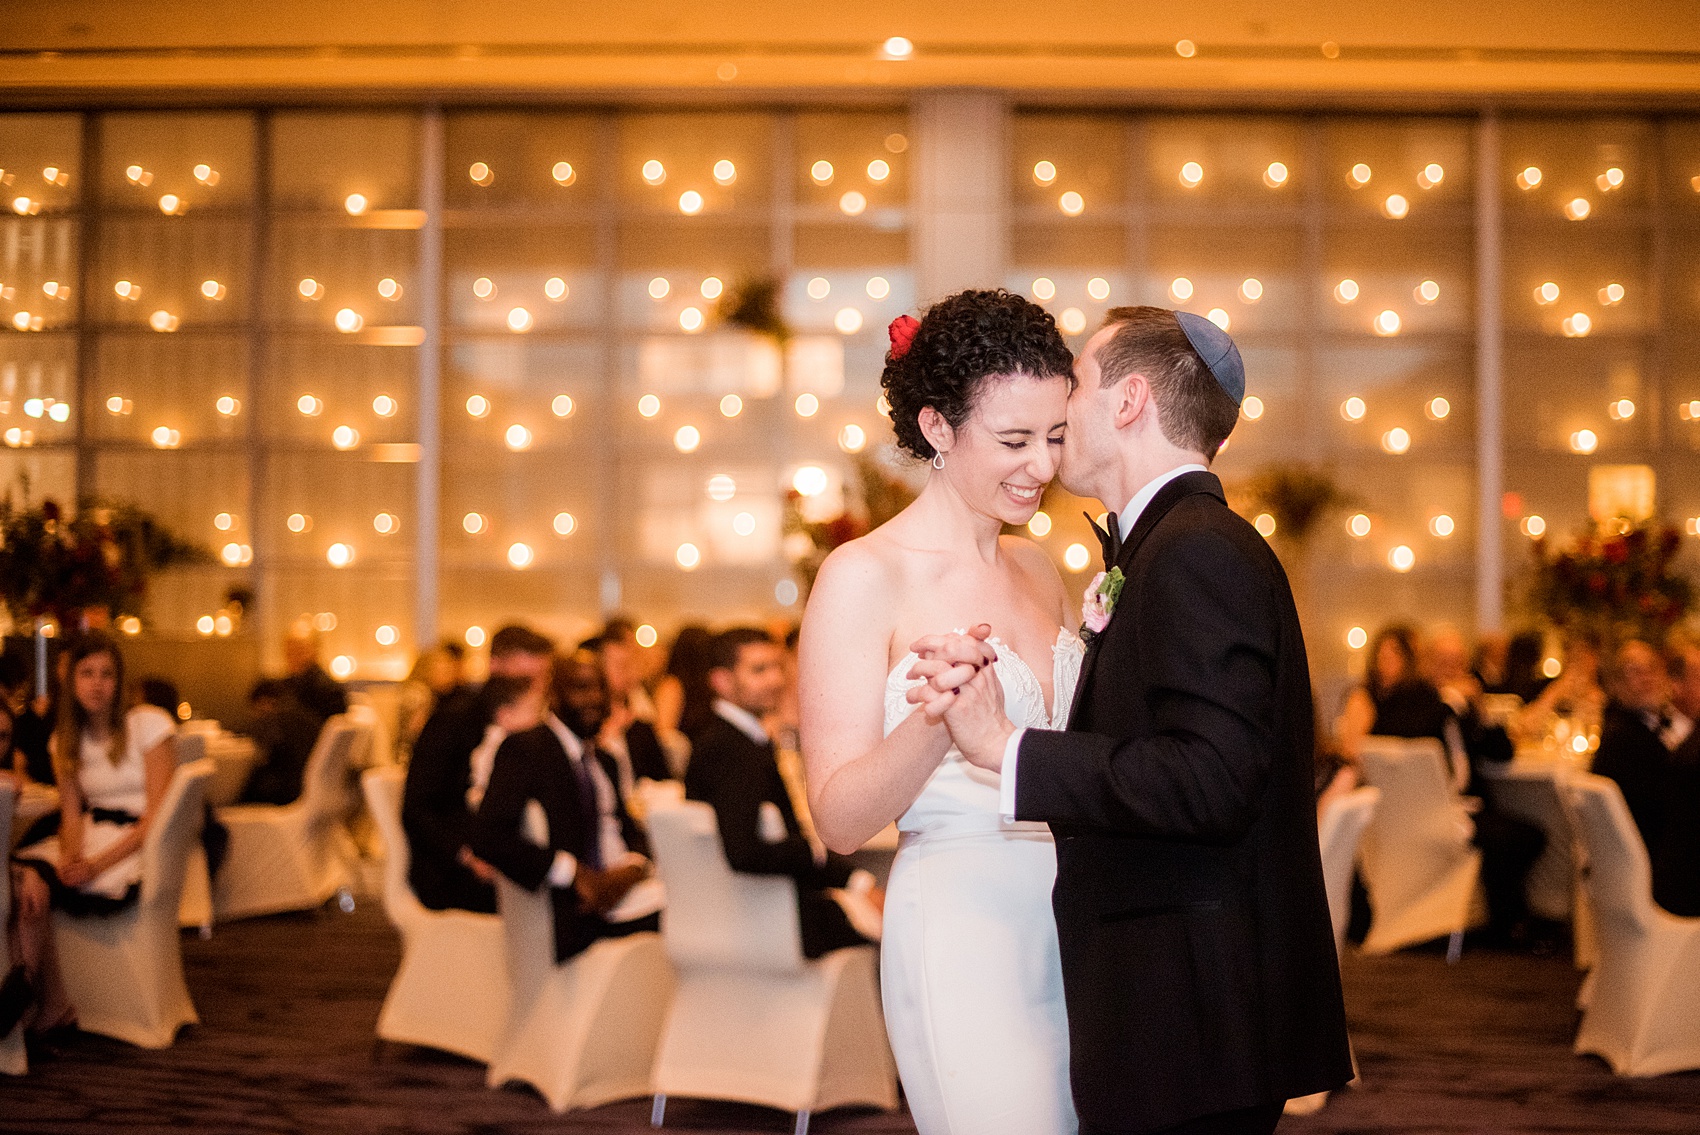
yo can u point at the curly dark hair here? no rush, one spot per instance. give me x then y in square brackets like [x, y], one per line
[963, 340]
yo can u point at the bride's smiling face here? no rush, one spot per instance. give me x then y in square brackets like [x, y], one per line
[1004, 454]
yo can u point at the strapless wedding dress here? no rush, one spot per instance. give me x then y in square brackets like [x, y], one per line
[969, 969]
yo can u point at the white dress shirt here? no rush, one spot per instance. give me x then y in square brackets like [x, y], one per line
[646, 897]
[482, 761]
[1125, 520]
[742, 720]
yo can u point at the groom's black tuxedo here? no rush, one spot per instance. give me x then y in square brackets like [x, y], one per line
[1198, 960]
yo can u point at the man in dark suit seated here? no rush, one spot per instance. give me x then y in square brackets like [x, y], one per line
[735, 768]
[448, 772]
[1676, 858]
[601, 883]
[307, 681]
[629, 735]
[284, 734]
[1637, 732]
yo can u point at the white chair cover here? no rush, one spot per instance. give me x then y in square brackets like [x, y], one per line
[1418, 864]
[451, 990]
[124, 973]
[196, 909]
[293, 856]
[753, 1020]
[1643, 1015]
[584, 1032]
[13, 1061]
[379, 707]
[1340, 831]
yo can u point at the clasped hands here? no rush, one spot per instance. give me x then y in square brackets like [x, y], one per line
[961, 689]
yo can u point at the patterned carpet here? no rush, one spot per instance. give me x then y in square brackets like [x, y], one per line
[288, 1006]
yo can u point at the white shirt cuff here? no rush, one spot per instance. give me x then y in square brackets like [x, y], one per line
[564, 870]
[1006, 789]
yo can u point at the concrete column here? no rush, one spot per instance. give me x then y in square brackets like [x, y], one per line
[960, 196]
[429, 393]
[1490, 348]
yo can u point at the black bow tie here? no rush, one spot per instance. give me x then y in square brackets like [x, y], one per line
[1109, 538]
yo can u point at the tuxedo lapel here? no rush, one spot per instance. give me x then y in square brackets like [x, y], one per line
[1171, 494]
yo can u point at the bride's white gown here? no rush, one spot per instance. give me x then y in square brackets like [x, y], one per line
[969, 969]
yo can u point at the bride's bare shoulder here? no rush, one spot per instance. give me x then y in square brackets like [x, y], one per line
[856, 569]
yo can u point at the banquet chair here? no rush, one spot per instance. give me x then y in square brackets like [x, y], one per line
[583, 1031]
[124, 972]
[1643, 1016]
[364, 709]
[1418, 864]
[293, 856]
[753, 1020]
[441, 950]
[13, 1061]
[196, 908]
[1340, 832]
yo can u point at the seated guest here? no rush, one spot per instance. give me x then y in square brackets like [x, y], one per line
[683, 700]
[1524, 655]
[600, 881]
[447, 774]
[1637, 733]
[33, 717]
[284, 733]
[161, 693]
[1509, 845]
[1395, 699]
[1575, 693]
[437, 674]
[307, 681]
[1676, 858]
[629, 735]
[735, 768]
[113, 770]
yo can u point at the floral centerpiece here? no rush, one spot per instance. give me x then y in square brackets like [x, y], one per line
[879, 495]
[1616, 581]
[95, 563]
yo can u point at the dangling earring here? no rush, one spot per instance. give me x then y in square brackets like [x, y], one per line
[938, 460]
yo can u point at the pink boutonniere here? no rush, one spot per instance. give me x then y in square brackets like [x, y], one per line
[1099, 602]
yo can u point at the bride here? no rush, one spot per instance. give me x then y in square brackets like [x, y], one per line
[971, 979]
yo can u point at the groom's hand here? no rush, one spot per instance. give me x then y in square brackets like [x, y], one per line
[977, 720]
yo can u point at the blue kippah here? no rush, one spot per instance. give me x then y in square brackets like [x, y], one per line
[1218, 352]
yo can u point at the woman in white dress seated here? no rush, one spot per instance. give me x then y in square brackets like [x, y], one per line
[113, 770]
[971, 978]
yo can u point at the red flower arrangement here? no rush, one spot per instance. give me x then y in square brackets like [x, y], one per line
[98, 560]
[1616, 581]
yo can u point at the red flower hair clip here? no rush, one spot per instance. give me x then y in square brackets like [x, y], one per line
[902, 332]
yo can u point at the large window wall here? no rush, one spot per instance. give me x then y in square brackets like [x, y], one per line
[411, 373]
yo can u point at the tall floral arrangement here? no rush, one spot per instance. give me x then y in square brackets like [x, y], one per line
[1616, 581]
[99, 560]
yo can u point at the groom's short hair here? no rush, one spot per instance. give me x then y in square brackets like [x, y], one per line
[1192, 408]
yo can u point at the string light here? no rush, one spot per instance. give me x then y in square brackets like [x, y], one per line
[384, 406]
[648, 406]
[744, 524]
[388, 289]
[821, 172]
[807, 405]
[848, 321]
[1076, 557]
[691, 320]
[1358, 176]
[1044, 173]
[686, 439]
[878, 170]
[1426, 292]
[1265, 525]
[809, 481]
[226, 406]
[339, 555]
[1252, 408]
[654, 173]
[386, 524]
[1346, 291]
[561, 406]
[386, 635]
[818, 288]
[1251, 289]
[1040, 524]
[563, 173]
[210, 289]
[555, 289]
[481, 173]
[1275, 176]
[518, 438]
[646, 636]
[1529, 178]
[897, 47]
[1098, 288]
[1357, 638]
[1442, 525]
[355, 203]
[473, 523]
[520, 555]
[1191, 175]
[725, 173]
[1611, 295]
[478, 406]
[1576, 326]
[688, 557]
[852, 438]
[852, 204]
[731, 406]
[878, 287]
[711, 288]
[1072, 204]
[564, 524]
[1609, 180]
[1402, 559]
[1044, 289]
[1396, 440]
[1396, 207]
[484, 287]
[474, 637]
[1218, 316]
[519, 320]
[1437, 408]
[1359, 526]
[345, 437]
[1584, 441]
[348, 321]
[1430, 176]
[1533, 526]
[1353, 409]
[690, 202]
[298, 522]
[1578, 209]
[1073, 321]
[1180, 289]
[721, 487]
[1387, 323]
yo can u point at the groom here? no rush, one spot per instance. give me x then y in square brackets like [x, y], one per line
[1198, 961]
